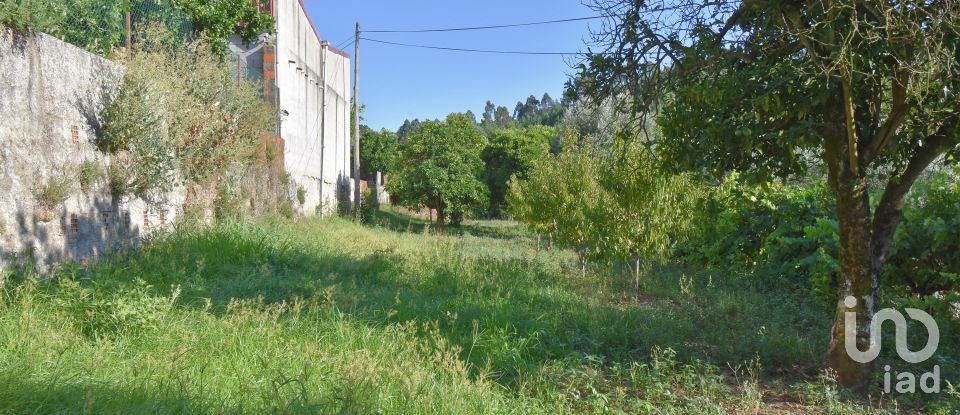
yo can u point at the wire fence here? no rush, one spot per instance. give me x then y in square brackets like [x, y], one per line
[96, 25]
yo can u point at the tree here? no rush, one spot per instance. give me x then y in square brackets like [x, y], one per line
[519, 111]
[562, 196]
[408, 128]
[378, 151]
[488, 114]
[759, 86]
[471, 116]
[502, 117]
[511, 153]
[547, 101]
[440, 166]
[606, 204]
[531, 108]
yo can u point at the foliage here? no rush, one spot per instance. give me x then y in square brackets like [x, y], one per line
[54, 192]
[218, 20]
[301, 195]
[378, 151]
[779, 236]
[776, 236]
[762, 87]
[96, 25]
[563, 196]
[610, 206]
[88, 173]
[399, 323]
[647, 213]
[512, 152]
[439, 167]
[925, 258]
[181, 116]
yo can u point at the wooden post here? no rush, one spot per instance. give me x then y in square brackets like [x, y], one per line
[128, 26]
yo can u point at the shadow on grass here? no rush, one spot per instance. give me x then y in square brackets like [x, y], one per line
[508, 316]
[399, 222]
[20, 397]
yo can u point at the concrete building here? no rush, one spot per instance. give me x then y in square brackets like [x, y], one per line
[309, 82]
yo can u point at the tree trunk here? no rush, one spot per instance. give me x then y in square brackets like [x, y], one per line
[865, 240]
[441, 218]
[859, 275]
[636, 271]
[859, 278]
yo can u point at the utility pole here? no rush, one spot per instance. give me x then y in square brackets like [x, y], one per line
[323, 118]
[357, 193]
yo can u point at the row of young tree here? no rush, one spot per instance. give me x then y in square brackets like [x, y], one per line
[858, 96]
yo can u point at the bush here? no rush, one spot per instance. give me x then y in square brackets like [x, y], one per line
[54, 192]
[925, 258]
[778, 235]
[181, 116]
[96, 25]
[786, 235]
[89, 173]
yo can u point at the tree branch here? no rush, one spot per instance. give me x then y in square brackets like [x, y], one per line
[890, 209]
[898, 113]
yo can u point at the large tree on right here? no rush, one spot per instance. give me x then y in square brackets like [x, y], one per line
[868, 88]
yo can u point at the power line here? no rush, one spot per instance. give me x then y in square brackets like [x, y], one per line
[343, 42]
[503, 52]
[457, 29]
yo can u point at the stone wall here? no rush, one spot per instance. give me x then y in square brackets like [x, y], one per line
[51, 105]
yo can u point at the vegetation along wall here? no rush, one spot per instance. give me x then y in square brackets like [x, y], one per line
[56, 202]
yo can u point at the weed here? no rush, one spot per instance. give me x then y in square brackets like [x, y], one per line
[118, 180]
[89, 172]
[326, 316]
[50, 195]
[301, 195]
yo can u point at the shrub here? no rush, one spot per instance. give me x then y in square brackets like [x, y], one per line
[925, 258]
[777, 234]
[54, 192]
[96, 25]
[117, 180]
[368, 209]
[301, 195]
[89, 173]
[181, 116]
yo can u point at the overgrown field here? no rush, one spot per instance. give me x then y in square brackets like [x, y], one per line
[325, 316]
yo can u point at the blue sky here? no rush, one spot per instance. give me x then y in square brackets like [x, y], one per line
[398, 83]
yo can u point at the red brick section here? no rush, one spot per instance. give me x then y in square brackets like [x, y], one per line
[270, 73]
[74, 135]
[146, 219]
[271, 152]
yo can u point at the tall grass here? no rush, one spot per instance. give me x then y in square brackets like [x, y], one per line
[330, 317]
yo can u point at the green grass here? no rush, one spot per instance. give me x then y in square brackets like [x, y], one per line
[325, 316]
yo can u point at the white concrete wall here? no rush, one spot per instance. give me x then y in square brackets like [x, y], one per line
[316, 162]
[51, 89]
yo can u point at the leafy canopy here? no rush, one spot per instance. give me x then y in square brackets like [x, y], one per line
[378, 151]
[512, 151]
[439, 167]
